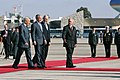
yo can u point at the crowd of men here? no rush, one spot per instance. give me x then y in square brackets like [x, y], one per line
[19, 40]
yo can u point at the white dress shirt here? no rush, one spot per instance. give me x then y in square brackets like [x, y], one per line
[46, 26]
[40, 26]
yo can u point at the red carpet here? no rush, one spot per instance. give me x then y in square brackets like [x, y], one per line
[52, 64]
[85, 69]
[77, 61]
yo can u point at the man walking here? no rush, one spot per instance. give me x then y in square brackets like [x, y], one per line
[24, 44]
[39, 41]
[46, 32]
[70, 41]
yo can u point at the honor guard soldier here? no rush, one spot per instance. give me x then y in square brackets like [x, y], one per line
[107, 41]
[117, 42]
[93, 41]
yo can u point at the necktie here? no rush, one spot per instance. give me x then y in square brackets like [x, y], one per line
[40, 26]
[6, 32]
[71, 28]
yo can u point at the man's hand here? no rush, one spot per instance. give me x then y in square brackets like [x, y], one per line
[26, 43]
[49, 43]
[75, 45]
[45, 42]
[65, 41]
[5, 35]
[34, 43]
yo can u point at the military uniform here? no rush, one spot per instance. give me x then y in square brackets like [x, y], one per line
[15, 40]
[93, 41]
[107, 41]
[117, 42]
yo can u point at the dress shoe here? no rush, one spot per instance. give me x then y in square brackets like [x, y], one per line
[92, 56]
[15, 67]
[14, 57]
[107, 56]
[70, 66]
[31, 67]
[45, 67]
[40, 67]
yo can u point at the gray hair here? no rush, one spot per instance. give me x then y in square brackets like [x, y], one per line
[25, 19]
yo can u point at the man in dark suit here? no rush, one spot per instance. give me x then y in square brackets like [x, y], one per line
[39, 41]
[107, 41]
[93, 41]
[46, 31]
[117, 42]
[24, 44]
[6, 35]
[15, 40]
[69, 41]
[11, 47]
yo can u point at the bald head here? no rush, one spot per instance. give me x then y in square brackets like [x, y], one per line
[70, 21]
[27, 21]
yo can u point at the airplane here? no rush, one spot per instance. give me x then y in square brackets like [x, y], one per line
[115, 4]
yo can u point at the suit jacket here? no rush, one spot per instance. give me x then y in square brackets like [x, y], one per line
[37, 34]
[69, 36]
[15, 37]
[93, 38]
[107, 38]
[46, 32]
[117, 38]
[6, 40]
[24, 36]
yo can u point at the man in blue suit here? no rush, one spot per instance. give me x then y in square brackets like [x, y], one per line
[24, 44]
[39, 41]
[107, 41]
[46, 32]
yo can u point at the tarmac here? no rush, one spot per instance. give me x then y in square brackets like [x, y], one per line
[91, 70]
